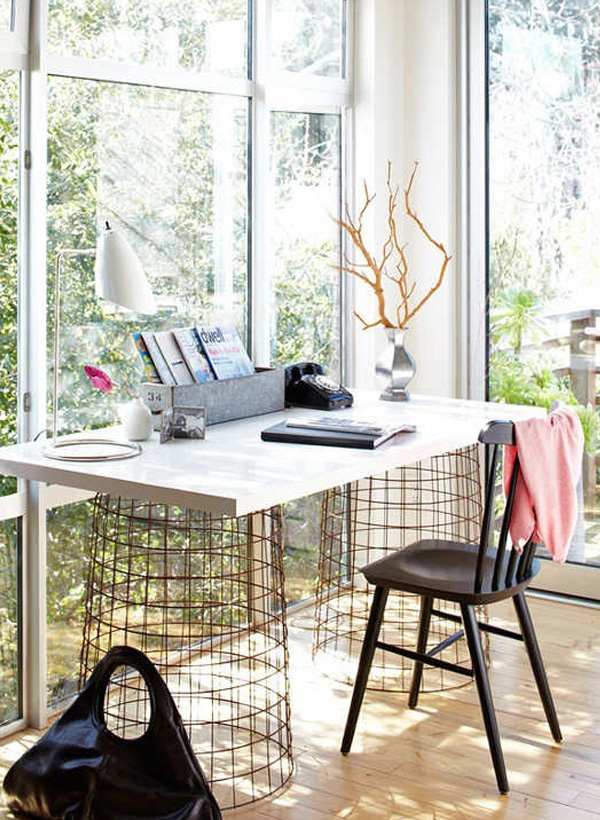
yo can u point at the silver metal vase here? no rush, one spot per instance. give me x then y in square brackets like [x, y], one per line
[395, 366]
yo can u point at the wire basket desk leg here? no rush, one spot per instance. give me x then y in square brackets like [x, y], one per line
[203, 597]
[439, 497]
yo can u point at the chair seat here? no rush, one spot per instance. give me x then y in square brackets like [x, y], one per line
[443, 569]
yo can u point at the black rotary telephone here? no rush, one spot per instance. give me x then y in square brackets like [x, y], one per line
[307, 386]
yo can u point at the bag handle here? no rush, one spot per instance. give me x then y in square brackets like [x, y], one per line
[161, 701]
[163, 708]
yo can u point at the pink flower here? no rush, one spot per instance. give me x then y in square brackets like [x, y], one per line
[98, 378]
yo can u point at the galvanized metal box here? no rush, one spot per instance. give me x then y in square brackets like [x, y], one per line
[222, 399]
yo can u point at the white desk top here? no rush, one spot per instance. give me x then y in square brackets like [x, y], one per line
[234, 472]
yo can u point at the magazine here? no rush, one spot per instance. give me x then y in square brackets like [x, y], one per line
[150, 371]
[329, 437]
[225, 352]
[157, 357]
[359, 427]
[175, 362]
[194, 354]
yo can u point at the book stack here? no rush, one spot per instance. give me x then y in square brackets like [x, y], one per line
[333, 431]
[192, 355]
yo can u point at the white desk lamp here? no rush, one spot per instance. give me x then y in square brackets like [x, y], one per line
[119, 278]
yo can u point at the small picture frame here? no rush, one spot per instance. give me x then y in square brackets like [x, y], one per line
[166, 425]
[189, 422]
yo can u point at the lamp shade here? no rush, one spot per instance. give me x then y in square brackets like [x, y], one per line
[120, 277]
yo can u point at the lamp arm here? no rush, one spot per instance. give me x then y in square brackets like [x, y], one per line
[60, 255]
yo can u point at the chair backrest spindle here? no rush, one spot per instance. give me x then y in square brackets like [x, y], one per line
[488, 516]
[525, 561]
[496, 435]
[505, 525]
[511, 567]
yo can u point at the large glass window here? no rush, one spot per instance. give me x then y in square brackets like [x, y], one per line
[10, 619]
[156, 125]
[304, 245]
[308, 36]
[9, 199]
[544, 184]
[201, 36]
[304, 240]
[68, 541]
[170, 169]
[10, 534]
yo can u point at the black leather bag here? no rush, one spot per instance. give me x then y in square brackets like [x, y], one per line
[80, 770]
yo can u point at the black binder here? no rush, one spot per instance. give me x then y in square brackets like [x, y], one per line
[329, 438]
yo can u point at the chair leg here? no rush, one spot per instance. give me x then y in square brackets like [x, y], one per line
[485, 694]
[364, 665]
[537, 664]
[424, 621]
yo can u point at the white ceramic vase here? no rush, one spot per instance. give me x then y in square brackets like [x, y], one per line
[137, 420]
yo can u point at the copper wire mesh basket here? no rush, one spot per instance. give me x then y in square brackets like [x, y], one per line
[439, 497]
[203, 597]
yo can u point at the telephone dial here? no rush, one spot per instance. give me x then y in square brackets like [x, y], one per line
[307, 386]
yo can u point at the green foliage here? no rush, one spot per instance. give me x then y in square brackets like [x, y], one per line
[9, 189]
[185, 212]
[174, 35]
[308, 36]
[591, 427]
[306, 279]
[9, 626]
[9, 577]
[305, 169]
[301, 539]
[515, 381]
[518, 382]
[517, 316]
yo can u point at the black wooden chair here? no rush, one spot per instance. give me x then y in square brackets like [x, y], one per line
[472, 576]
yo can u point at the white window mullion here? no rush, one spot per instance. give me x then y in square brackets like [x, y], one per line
[347, 331]
[259, 284]
[474, 241]
[181, 80]
[33, 344]
[311, 84]
[347, 363]
[12, 61]
[13, 506]
[287, 99]
[58, 496]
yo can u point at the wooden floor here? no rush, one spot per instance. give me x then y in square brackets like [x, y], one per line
[433, 763]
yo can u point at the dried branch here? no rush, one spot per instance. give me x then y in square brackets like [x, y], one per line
[393, 252]
[445, 256]
[366, 325]
[355, 232]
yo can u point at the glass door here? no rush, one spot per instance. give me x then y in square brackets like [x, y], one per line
[543, 64]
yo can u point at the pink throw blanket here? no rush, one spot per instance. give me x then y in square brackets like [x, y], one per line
[550, 451]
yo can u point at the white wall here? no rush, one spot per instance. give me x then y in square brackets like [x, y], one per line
[406, 110]
[379, 27]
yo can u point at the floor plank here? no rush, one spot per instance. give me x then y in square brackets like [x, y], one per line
[433, 762]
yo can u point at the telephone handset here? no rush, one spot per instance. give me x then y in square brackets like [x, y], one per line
[307, 386]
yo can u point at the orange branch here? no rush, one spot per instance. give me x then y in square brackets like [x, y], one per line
[393, 252]
[366, 325]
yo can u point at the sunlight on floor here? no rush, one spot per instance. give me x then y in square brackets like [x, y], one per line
[433, 763]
